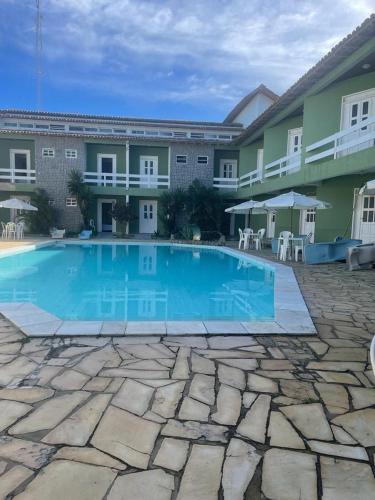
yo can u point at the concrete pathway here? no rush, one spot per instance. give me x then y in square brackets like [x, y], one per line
[197, 418]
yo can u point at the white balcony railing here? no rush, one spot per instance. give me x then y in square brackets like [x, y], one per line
[226, 183]
[360, 136]
[250, 178]
[17, 175]
[283, 166]
[126, 180]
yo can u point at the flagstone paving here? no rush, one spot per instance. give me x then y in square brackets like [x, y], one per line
[258, 417]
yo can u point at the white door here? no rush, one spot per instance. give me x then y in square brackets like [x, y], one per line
[294, 140]
[366, 224]
[357, 108]
[307, 222]
[228, 169]
[271, 223]
[148, 170]
[148, 216]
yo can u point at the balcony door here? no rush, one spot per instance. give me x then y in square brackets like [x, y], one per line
[107, 169]
[294, 141]
[307, 222]
[228, 169]
[105, 222]
[357, 108]
[364, 217]
[20, 165]
[148, 170]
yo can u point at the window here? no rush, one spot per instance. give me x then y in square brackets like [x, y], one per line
[71, 153]
[51, 203]
[107, 168]
[368, 214]
[294, 140]
[48, 153]
[71, 202]
[19, 163]
[228, 169]
[181, 159]
[202, 160]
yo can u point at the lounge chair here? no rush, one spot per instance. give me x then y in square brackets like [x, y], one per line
[361, 257]
[85, 234]
[321, 253]
[57, 234]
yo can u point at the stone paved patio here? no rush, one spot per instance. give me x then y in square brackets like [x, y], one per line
[197, 418]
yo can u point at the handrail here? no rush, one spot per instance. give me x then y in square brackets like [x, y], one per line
[285, 164]
[225, 182]
[25, 175]
[122, 179]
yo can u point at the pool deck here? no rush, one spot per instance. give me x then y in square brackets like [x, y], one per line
[256, 417]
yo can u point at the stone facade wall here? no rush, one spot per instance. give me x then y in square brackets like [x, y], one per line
[182, 175]
[52, 174]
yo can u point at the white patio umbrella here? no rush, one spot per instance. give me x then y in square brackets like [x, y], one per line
[17, 204]
[293, 201]
[370, 185]
[247, 208]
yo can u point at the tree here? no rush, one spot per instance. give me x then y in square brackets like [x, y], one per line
[171, 206]
[204, 206]
[45, 218]
[84, 195]
[122, 213]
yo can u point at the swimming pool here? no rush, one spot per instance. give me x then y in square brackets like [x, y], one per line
[139, 282]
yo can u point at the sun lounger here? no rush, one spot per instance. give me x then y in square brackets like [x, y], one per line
[320, 253]
[361, 257]
[85, 234]
[57, 234]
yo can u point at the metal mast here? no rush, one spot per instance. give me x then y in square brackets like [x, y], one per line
[38, 54]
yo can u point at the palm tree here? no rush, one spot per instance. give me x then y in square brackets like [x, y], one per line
[171, 206]
[205, 207]
[82, 192]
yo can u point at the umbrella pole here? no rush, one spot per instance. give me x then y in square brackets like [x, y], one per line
[291, 220]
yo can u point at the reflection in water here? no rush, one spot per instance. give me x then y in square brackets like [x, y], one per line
[139, 282]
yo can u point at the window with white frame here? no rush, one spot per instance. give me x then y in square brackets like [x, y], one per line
[181, 159]
[48, 152]
[202, 160]
[228, 169]
[71, 202]
[71, 154]
[107, 165]
[294, 140]
[51, 203]
[19, 163]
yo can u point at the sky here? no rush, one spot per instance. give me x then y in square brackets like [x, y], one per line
[177, 59]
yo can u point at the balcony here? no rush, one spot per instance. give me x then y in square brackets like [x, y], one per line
[283, 166]
[360, 136]
[226, 183]
[126, 180]
[17, 175]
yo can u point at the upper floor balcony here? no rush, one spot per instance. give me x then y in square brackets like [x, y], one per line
[126, 180]
[17, 175]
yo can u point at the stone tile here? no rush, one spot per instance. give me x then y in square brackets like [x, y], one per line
[284, 400]
[126, 436]
[282, 434]
[113, 328]
[89, 456]
[172, 454]
[146, 328]
[231, 376]
[12, 479]
[151, 484]
[289, 475]
[222, 353]
[243, 364]
[195, 430]
[149, 415]
[77, 429]
[149, 351]
[181, 368]
[167, 398]
[202, 388]
[97, 384]
[360, 425]
[334, 397]
[186, 328]
[318, 347]
[28, 453]
[202, 365]
[228, 405]
[17, 369]
[338, 377]
[248, 399]
[228, 327]
[276, 364]
[138, 374]
[193, 410]
[262, 327]
[310, 420]
[342, 436]
[202, 474]
[134, 397]
[239, 467]
[275, 374]
[69, 380]
[63, 479]
[261, 384]
[3, 466]
[49, 414]
[276, 353]
[253, 425]
[47, 373]
[338, 450]
[336, 366]
[345, 354]
[296, 389]
[230, 342]
[346, 480]
[361, 397]
[11, 411]
[79, 328]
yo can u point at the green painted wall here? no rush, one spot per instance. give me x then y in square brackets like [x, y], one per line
[7, 144]
[224, 154]
[248, 157]
[114, 149]
[322, 112]
[276, 138]
[137, 151]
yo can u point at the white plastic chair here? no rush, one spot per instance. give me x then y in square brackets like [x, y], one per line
[284, 245]
[259, 238]
[19, 230]
[242, 239]
[4, 231]
[300, 247]
[11, 230]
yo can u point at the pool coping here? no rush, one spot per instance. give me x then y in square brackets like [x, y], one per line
[291, 314]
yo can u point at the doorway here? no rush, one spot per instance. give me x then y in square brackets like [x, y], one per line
[148, 217]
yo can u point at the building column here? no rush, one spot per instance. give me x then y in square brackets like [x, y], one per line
[127, 166]
[127, 199]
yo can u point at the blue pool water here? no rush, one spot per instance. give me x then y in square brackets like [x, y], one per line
[138, 283]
